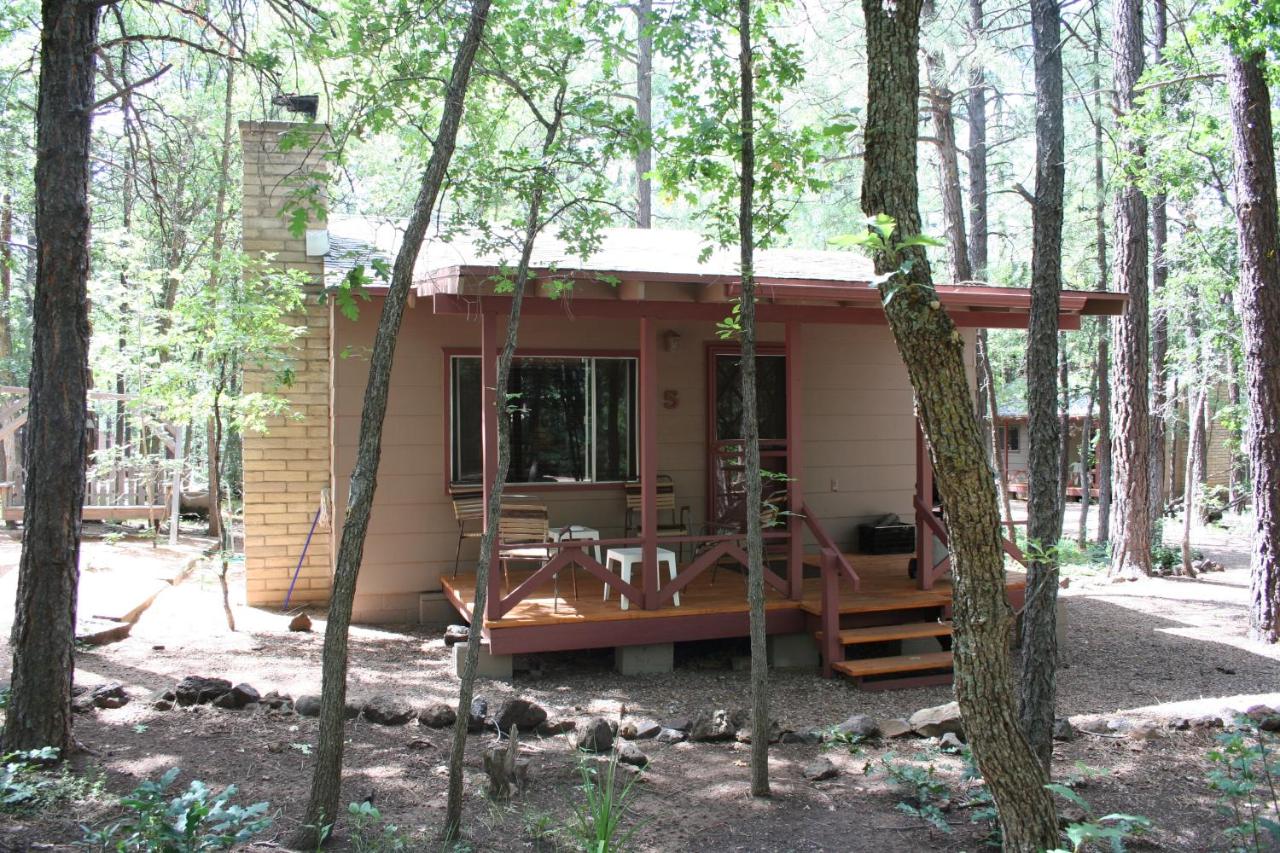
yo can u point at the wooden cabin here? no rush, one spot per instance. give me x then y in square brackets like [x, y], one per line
[624, 512]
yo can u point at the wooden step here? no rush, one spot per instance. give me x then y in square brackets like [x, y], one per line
[888, 633]
[891, 665]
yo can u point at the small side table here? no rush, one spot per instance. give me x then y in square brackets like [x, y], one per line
[628, 557]
[573, 532]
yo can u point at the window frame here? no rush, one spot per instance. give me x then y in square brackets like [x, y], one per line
[450, 353]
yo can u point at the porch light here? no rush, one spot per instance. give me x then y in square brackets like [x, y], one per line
[671, 340]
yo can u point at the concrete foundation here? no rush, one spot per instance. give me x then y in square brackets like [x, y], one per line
[793, 651]
[653, 659]
[434, 608]
[496, 667]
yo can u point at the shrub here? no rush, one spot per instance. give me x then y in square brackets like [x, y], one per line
[597, 822]
[1245, 780]
[195, 820]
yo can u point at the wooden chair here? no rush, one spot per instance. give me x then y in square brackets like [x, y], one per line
[468, 511]
[677, 523]
[529, 523]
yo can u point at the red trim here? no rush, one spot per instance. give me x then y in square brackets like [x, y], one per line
[570, 308]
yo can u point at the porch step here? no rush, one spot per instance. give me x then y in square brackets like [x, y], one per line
[893, 665]
[888, 633]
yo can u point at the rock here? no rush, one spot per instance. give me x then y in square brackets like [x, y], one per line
[1119, 725]
[647, 729]
[420, 743]
[109, 696]
[860, 726]
[895, 728]
[352, 709]
[477, 717]
[521, 713]
[666, 735]
[680, 724]
[937, 721]
[307, 706]
[386, 711]
[629, 753]
[820, 770]
[1265, 717]
[275, 701]
[455, 634]
[162, 705]
[596, 736]
[300, 623]
[950, 740]
[743, 735]
[557, 728]
[1095, 725]
[437, 716]
[82, 704]
[1180, 724]
[1207, 721]
[809, 738]
[1145, 730]
[1063, 730]
[237, 697]
[197, 690]
[627, 730]
[719, 725]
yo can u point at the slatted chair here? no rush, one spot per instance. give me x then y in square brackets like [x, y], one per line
[677, 523]
[468, 511]
[529, 523]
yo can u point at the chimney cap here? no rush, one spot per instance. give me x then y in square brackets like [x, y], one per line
[307, 105]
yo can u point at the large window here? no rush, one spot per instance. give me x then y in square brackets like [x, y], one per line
[573, 420]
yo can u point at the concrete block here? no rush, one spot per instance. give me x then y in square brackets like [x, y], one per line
[652, 659]
[793, 651]
[496, 667]
[435, 609]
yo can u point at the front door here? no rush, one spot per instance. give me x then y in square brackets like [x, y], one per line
[727, 486]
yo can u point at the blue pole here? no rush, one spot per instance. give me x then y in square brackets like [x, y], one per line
[301, 557]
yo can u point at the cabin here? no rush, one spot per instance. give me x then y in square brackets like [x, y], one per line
[623, 515]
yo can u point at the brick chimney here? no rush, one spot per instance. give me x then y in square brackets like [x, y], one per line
[287, 465]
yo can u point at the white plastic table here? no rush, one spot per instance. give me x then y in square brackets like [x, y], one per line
[628, 557]
[573, 532]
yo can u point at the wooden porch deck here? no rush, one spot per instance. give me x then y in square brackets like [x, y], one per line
[543, 622]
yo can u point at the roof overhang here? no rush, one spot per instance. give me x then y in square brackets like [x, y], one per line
[472, 289]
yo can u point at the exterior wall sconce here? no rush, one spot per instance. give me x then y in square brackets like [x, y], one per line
[671, 340]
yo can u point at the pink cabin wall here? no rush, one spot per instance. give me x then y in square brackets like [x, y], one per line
[858, 437]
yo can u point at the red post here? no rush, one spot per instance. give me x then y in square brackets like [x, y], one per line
[795, 463]
[924, 506]
[649, 461]
[489, 440]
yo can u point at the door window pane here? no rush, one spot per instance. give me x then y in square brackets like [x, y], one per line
[771, 396]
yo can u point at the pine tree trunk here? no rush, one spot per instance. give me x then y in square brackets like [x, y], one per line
[932, 349]
[1038, 686]
[6, 284]
[1259, 234]
[644, 111]
[326, 782]
[750, 423]
[1102, 366]
[1131, 445]
[1195, 454]
[1159, 316]
[489, 538]
[43, 638]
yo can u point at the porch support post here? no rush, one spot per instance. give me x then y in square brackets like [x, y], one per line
[649, 461]
[489, 438]
[795, 463]
[924, 505]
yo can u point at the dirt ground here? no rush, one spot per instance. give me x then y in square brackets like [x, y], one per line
[1154, 649]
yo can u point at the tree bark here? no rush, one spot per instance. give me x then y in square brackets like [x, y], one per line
[326, 782]
[932, 349]
[1159, 316]
[1038, 686]
[43, 636]
[1102, 366]
[1259, 234]
[644, 112]
[6, 284]
[750, 423]
[1131, 444]
[1195, 453]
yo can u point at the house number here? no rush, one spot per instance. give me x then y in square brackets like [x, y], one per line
[670, 399]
